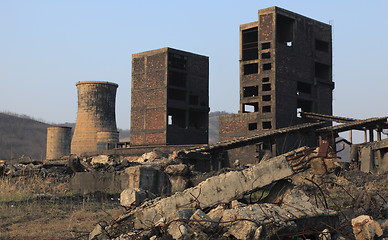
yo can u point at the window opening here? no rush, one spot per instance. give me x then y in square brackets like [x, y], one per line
[322, 71]
[176, 94]
[267, 66]
[176, 117]
[177, 61]
[303, 106]
[266, 55]
[250, 107]
[321, 45]
[169, 119]
[266, 45]
[252, 91]
[265, 79]
[252, 126]
[266, 98]
[267, 125]
[266, 87]
[285, 30]
[250, 44]
[193, 100]
[177, 79]
[303, 88]
[251, 68]
[266, 109]
[198, 119]
[299, 112]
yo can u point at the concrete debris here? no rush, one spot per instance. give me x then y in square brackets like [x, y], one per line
[222, 188]
[178, 183]
[178, 230]
[148, 157]
[131, 197]
[217, 203]
[177, 169]
[325, 235]
[100, 159]
[364, 227]
[199, 218]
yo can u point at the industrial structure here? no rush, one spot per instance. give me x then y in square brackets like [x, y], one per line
[96, 117]
[169, 98]
[58, 142]
[285, 69]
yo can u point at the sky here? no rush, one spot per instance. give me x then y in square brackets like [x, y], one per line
[48, 46]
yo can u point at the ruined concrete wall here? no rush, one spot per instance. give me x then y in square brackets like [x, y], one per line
[237, 125]
[170, 98]
[96, 113]
[58, 142]
[303, 68]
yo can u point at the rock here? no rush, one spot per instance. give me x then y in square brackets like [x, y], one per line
[177, 169]
[184, 213]
[216, 214]
[100, 159]
[148, 157]
[243, 230]
[384, 227]
[364, 227]
[202, 220]
[384, 210]
[134, 197]
[178, 230]
[321, 166]
[98, 230]
[325, 235]
[237, 204]
[258, 233]
[178, 183]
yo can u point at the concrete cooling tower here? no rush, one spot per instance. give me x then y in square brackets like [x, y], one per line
[96, 117]
[58, 142]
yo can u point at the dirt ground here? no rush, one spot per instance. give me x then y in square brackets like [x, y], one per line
[48, 217]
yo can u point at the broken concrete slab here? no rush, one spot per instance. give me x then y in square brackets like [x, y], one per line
[100, 159]
[222, 188]
[364, 227]
[177, 169]
[134, 197]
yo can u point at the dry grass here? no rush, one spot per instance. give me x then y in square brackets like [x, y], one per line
[60, 215]
[26, 188]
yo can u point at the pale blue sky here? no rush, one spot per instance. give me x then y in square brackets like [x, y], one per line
[47, 46]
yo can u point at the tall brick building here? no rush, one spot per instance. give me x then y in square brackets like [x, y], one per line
[169, 98]
[285, 68]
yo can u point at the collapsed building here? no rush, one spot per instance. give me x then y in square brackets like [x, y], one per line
[169, 98]
[285, 68]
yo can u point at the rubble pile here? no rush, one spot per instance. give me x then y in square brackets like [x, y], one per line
[275, 199]
[303, 194]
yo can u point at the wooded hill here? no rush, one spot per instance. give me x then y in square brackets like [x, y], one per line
[21, 135]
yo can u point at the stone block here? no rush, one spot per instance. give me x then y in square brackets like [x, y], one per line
[364, 227]
[134, 197]
[177, 169]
